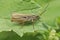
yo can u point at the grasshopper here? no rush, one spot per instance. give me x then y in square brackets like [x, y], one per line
[23, 18]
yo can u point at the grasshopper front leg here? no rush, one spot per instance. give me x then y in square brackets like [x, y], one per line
[33, 24]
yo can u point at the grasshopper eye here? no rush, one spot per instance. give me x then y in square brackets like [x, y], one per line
[24, 17]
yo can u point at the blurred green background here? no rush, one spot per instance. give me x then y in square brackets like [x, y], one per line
[52, 13]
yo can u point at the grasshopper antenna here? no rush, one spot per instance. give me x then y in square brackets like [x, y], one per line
[44, 10]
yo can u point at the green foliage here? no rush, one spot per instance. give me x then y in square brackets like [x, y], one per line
[9, 35]
[45, 29]
[58, 24]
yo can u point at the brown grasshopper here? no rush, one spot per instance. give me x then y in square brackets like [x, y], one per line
[23, 18]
